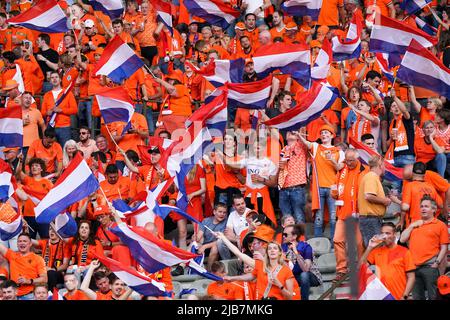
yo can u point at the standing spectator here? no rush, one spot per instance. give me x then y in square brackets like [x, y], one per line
[332, 13]
[428, 239]
[145, 31]
[300, 253]
[47, 59]
[395, 266]
[32, 121]
[346, 195]
[86, 144]
[372, 201]
[62, 112]
[25, 267]
[292, 178]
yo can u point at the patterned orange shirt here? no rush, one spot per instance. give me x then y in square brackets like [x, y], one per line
[294, 173]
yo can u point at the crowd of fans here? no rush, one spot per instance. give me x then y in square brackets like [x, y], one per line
[259, 189]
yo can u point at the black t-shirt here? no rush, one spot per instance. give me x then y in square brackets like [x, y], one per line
[52, 56]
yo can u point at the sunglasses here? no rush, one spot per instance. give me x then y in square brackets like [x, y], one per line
[83, 133]
[285, 234]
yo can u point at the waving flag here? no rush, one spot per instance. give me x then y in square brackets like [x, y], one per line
[196, 265]
[370, 287]
[52, 118]
[293, 59]
[112, 8]
[77, 182]
[249, 95]
[300, 8]
[392, 36]
[321, 67]
[118, 61]
[213, 114]
[34, 196]
[164, 13]
[152, 253]
[135, 280]
[6, 184]
[165, 209]
[218, 72]
[65, 225]
[310, 105]
[115, 106]
[154, 196]
[44, 16]
[18, 77]
[421, 68]
[11, 127]
[215, 12]
[365, 153]
[412, 6]
[429, 29]
[383, 63]
[350, 47]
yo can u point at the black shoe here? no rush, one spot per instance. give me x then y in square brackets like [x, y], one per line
[178, 271]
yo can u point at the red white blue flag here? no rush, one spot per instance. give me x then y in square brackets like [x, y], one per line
[113, 8]
[215, 12]
[11, 127]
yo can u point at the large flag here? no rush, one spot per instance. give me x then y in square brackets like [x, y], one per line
[115, 106]
[310, 105]
[164, 13]
[392, 36]
[65, 225]
[350, 47]
[421, 68]
[293, 59]
[77, 182]
[215, 12]
[135, 280]
[214, 115]
[249, 95]
[218, 72]
[118, 61]
[113, 8]
[6, 183]
[10, 223]
[370, 287]
[321, 67]
[152, 253]
[365, 153]
[44, 16]
[11, 127]
[412, 6]
[300, 8]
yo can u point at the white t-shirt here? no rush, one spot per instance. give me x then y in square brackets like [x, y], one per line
[264, 167]
[252, 5]
[236, 222]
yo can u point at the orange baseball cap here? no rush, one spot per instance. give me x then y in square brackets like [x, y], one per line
[264, 233]
[240, 26]
[315, 44]
[10, 84]
[443, 284]
[328, 128]
[101, 210]
[176, 75]
[323, 29]
[291, 26]
[248, 60]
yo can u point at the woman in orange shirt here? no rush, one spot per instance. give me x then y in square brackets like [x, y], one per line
[82, 248]
[430, 150]
[274, 279]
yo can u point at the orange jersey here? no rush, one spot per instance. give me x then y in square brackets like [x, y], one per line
[68, 106]
[412, 194]
[43, 185]
[119, 190]
[314, 126]
[82, 254]
[221, 290]
[77, 295]
[49, 155]
[329, 13]
[52, 253]
[424, 151]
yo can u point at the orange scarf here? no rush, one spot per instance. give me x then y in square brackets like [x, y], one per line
[401, 144]
[347, 188]
[360, 127]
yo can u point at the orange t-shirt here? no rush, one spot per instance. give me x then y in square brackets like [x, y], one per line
[29, 266]
[329, 13]
[425, 241]
[243, 119]
[69, 76]
[104, 296]
[181, 104]
[424, 151]
[194, 185]
[226, 176]
[412, 194]
[325, 169]
[78, 295]
[262, 281]
[43, 185]
[392, 264]
[275, 33]
[119, 190]
[68, 105]
[221, 290]
[245, 290]
[314, 126]
[253, 37]
[133, 84]
[31, 130]
[50, 155]
[146, 38]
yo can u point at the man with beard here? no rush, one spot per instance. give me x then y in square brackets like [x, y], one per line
[86, 144]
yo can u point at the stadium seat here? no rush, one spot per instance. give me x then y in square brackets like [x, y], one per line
[201, 286]
[176, 288]
[320, 245]
[327, 263]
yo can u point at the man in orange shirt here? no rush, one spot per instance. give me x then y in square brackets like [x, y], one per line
[118, 28]
[90, 40]
[332, 13]
[32, 120]
[394, 264]
[63, 111]
[144, 32]
[25, 266]
[115, 186]
[251, 31]
[428, 240]
[31, 72]
[219, 289]
[71, 285]
[278, 28]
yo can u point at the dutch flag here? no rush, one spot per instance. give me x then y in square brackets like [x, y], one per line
[11, 127]
[113, 8]
[215, 12]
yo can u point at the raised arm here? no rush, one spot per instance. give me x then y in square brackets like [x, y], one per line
[87, 280]
[245, 258]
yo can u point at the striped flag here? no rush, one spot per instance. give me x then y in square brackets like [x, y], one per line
[249, 95]
[11, 127]
[370, 287]
[350, 47]
[218, 72]
[112, 8]
[300, 8]
[412, 6]
[429, 29]
[164, 13]
[215, 12]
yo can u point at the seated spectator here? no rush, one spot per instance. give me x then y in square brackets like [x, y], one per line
[219, 289]
[40, 291]
[9, 290]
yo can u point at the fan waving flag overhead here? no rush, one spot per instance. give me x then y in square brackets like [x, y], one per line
[350, 47]
[421, 68]
[215, 12]
[412, 6]
[11, 127]
[118, 61]
[45, 16]
[218, 72]
[77, 182]
[310, 105]
[113, 8]
[300, 8]
[250, 95]
[392, 36]
[164, 13]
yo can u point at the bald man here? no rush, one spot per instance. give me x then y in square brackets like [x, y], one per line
[345, 191]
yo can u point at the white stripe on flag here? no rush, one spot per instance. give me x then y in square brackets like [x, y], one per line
[119, 57]
[47, 18]
[422, 65]
[11, 125]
